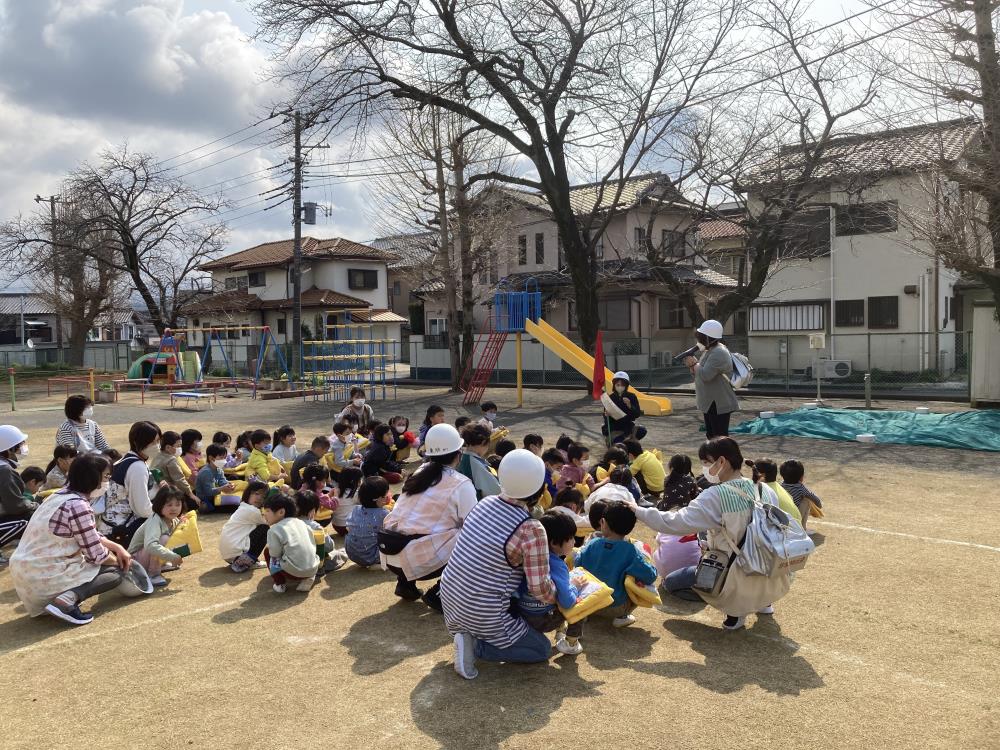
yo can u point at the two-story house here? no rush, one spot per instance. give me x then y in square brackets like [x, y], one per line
[253, 288]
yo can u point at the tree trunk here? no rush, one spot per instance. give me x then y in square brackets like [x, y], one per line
[77, 344]
[582, 270]
[465, 248]
[445, 256]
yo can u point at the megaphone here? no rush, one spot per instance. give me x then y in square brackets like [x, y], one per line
[686, 353]
[29, 343]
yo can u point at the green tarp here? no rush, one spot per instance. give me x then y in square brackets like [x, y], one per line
[972, 430]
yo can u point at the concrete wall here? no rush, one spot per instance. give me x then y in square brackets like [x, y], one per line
[333, 275]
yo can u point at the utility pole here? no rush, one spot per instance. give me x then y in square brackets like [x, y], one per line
[52, 199]
[297, 249]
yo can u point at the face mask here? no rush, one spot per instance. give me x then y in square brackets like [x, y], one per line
[267, 448]
[491, 415]
[88, 412]
[401, 428]
[220, 463]
[151, 449]
[100, 491]
[359, 402]
[701, 347]
[706, 471]
[197, 446]
[23, 450]
[621, 388]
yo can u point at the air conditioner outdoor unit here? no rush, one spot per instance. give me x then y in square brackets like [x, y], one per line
[836, 368]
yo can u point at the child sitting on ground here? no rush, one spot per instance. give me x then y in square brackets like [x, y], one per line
[378, 459]
[575, 470]
[769, 476]
[616, 489]
[792, 474]
[646, 469]
[316, 478]
[553, 459]
[435, 415]
[243, 447]
[473, 462]
[58, 468]
[307, 503]
[679, 489]
[595, 512]
[284, 444]
[365, 522]
[402, 439]
[348, 482]
[33, 478]
[191, 449]
[226, 441]
[258, 465]
[675, 552]
[244, 533]
[569, 502]
[533, 443]
[147, 546]
[291, 552]
[342, 454]
[462, 422]
[211, 482]
[562, 445]
[543, 616]
[612, 556]
[489, 417]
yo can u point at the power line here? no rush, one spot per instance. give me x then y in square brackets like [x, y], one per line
[217, 140]
[226, 147]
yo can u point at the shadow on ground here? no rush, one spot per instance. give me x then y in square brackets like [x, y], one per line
[387, 638]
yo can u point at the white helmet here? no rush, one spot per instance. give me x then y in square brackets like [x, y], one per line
[10, 437]
[521, 474]
[441, 440]
[711, 328]
[621, 375]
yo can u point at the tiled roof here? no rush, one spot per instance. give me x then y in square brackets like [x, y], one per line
[241, 301]
[625, 271]
[377, 316]
[718, 229]
[888, 151]
[234, 300]
[41, 304]
[429, 287]
[584, 198]
[280, 253]
[411, 250]
[316, 298]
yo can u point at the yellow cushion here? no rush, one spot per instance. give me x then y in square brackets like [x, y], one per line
[236, 471]
[185, 469]
[323, 513]
[185, 539]
[583, 489]
[286, 466]
[602, 473]
[319, 537]
[592, 595]
[546, 500]
[46, 493]
[642, 594]
[814, 510]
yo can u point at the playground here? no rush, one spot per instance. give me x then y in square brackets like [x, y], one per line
[887, 638]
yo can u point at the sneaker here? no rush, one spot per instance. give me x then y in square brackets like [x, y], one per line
[279, 588]
[158, 581]
[169, 568]
[465, 656]
[305, 585]
[563, 646]
[408, 591]
[733, 623]
[72, 615]
[623, 622]
[3, 560]
[259, 564]
[768, 610]
[243, 563]
[433, 600]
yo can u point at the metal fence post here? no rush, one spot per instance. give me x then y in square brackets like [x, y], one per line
[868, 390]
[788, 365]
[543, 364]
[13, 398]
[868, 361]
[649, 363]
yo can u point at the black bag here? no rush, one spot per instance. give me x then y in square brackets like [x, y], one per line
[122, 533]
[392, 542]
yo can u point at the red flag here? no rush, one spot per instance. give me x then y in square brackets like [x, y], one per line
[598, 389]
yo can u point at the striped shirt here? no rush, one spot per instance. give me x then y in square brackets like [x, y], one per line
[86, 437]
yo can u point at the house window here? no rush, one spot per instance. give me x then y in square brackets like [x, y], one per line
[883, 312]
[237, 282]
[640, 237]
[540, 249]
[673, 314]
[522, 250]
[257, 278]
[794, 317]
[437, 326]
[807, 235]
[360, 278]
[673, 243]
[615, 314]
[850, 313]
[599, 248]
[282, 325]
[397, 288]
[867, 218]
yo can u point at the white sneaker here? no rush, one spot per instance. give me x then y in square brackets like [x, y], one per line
[734, 623]
[768, 610]
[623, 622]
[563, 646]
[465, 656]
[279, 588]
[305, 585]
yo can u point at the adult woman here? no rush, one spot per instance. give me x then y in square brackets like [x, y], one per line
[62, 560]
[127, 503]
[724, 511]
[713, 389]
[356, 405]
[79, 430]
[622, 418]
[15, 508]
[421, 530]
[500, 546]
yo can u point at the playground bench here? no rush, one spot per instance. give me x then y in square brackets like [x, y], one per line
[190, 396]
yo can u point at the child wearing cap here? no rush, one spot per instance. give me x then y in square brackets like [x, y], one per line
[627, 403]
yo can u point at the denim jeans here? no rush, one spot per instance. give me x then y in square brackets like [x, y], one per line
[530, 648]
[680, 583]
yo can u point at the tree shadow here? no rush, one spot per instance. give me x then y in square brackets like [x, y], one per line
[818, 538]
[504, 701]
[224, 576]
[385, 639]
[759, 656]
[351, 578]
[261, 603]
[609, 648]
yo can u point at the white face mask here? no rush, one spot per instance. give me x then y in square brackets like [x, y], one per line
[151, 449]
[100, 491]
[219, 463]
[359, 402]
[197, 445]
[491, 415]
[401, 428]
[706, 471]
[23, 450]
[621, 388]
[701, 347]
[88, 412]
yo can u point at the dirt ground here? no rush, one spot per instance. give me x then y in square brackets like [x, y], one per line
[887, 639]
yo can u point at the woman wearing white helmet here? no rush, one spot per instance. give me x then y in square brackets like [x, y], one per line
[421, 530]
[500, 546]
[15, 508]
[623, 411]
[713, 388]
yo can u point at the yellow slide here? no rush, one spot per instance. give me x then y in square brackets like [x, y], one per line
[583, 363]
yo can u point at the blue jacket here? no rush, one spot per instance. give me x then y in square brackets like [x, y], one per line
[565, 593]
[206, 482]
[611, 560]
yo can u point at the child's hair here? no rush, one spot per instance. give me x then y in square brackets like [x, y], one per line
[254, 485]
[379, 433]
[321, 441]
[280, 501]
[259, 436]
[243, 440]
[633, 447]
[564, 442]
[33, 474]
[754, 474]
[372, 488]
[399, 417]
[306, 502]
[188, 439]
[315, 473]
[281, 433]
[356, 390]
[569, 496]
[348, 480]
[494, 461]
[488, 406]
[340, 428]
[614, 456]
[372, 426]
[462, 422]
[577, 452]
[792, 471]
[504, 447]
[60, 451]
[164, 495]
[596, 512]
[559, 528]
[679, 465]
[475, 434]
[553, 456]
[351, 420]
[216, 451]
[221, 438]
[432, 410]
[169, 438]
[619, 517]
[767, 468]
[532, 439]
[111, 454]
[622, 475]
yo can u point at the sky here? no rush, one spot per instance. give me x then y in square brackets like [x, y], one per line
[166, 77]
